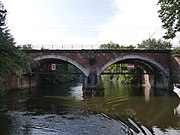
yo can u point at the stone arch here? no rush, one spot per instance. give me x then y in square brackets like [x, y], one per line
[85, 71]
[159, 66]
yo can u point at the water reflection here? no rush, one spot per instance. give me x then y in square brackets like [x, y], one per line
[77, 92]
[147, 93]
[177, 110]
[152, 108]
[124, 109]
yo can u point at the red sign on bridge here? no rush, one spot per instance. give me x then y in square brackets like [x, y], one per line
[53, 67]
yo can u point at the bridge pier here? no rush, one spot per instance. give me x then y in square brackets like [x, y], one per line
[93, 85]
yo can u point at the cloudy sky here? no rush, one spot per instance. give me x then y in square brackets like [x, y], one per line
[81, 24]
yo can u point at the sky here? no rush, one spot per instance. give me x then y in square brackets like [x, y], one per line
[83, 24]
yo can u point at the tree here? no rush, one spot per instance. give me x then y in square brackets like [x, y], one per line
[115, 46]
[110, 45]
[153, 44]
[130, 47]
[11, 58]
[176, 52]
[25, 47]
[169, 14]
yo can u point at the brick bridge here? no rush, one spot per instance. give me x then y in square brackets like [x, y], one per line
[92, 62]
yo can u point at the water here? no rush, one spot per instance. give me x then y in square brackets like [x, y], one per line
[124, 109]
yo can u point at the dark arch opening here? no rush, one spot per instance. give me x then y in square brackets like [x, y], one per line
[63, 73]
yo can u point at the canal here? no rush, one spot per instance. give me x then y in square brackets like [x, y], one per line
[123, 110]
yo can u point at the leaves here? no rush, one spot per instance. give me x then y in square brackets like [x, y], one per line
[110, 45]
[115, 46]
[176, 52]
[153, 44]
[169, 14]
[12, 59]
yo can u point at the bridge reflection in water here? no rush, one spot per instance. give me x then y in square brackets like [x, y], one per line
[124, 109]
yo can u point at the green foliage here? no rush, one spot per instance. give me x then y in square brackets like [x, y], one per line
[153, 44]
[12, 60]
[115, 46]
[64, 78]
[60, 75]
[176, 52]
[123, 78]
[92, 61]
[110, 45]
[130, 47]
[2, 92]
[169, 14]
[25, 47]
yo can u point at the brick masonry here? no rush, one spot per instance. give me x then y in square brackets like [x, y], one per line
[93, 62]
[103, 57]
[100, 59]
[175, 69]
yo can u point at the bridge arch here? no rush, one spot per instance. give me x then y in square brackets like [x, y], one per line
[85, 71]
[134, 57]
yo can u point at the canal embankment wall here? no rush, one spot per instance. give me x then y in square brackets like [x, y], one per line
[19, 82]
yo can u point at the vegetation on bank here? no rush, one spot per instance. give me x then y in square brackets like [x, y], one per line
[13, 61]
[176, 52]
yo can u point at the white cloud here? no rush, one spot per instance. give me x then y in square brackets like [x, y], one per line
[135, 21]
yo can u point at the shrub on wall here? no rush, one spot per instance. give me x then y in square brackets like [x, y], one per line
[92, 60]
